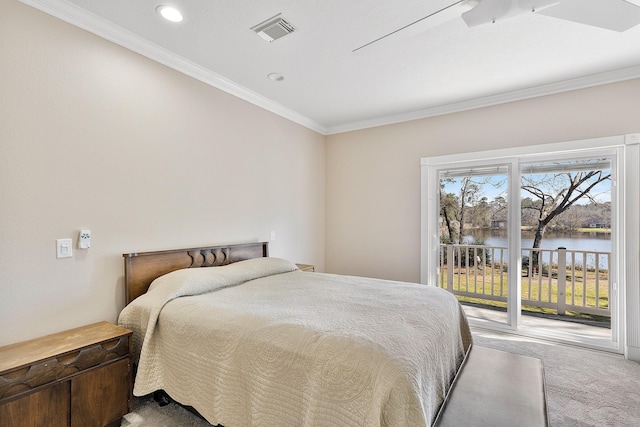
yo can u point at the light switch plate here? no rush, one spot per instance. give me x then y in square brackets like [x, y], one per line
[64, 248]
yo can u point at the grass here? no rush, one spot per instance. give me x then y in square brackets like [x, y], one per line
[487, 281]
[579, 230]
[594, 230]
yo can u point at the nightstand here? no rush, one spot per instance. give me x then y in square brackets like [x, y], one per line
[306, 267]
[79, 378]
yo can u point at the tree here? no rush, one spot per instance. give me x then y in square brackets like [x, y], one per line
[553, 194]
[468, 194]
[498, 209]
[481, 214]
[455, 208]
[572, 219]
[528, 217]
[448, 209]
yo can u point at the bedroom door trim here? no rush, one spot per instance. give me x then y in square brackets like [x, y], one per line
[626, 301]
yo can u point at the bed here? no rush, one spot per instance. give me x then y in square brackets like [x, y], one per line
[254, 341]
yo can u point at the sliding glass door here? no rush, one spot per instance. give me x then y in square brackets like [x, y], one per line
[567, 218]
[473, 212]
[527, 243]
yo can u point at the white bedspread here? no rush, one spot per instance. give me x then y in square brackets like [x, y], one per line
[258, 343]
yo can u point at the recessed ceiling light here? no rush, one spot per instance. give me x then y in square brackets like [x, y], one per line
[276, 77]
[170, 13]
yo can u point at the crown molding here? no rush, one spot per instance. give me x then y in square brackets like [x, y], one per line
[74, 15]
[488, 101]
[81, 18]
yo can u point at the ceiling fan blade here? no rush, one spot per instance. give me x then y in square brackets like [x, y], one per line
[535, 5]
[488, 11]
[616, 15]
[425, 23]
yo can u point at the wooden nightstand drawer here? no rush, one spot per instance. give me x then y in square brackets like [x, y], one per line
[53, 408]
[106, 401]
[26, 378]
[52, 377]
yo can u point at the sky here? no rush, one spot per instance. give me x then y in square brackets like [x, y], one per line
[496, 186]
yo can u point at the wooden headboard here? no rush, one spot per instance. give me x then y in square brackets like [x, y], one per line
[140, 269]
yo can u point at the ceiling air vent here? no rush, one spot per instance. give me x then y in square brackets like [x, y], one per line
[273, 28]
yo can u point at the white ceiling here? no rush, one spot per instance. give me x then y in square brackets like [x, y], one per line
[328, 87]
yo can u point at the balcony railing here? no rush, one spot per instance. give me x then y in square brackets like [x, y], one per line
[560, 279]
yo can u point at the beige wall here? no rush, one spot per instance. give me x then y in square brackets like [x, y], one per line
[95, 136]
[373, 175]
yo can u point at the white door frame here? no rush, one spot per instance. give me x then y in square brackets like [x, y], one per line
[625, 190]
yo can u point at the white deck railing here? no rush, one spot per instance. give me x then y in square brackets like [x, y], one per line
[561, 279]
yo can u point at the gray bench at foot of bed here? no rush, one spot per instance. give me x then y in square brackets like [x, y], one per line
[496, 389]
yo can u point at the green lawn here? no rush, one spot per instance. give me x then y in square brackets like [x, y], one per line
[594, 230]
[484, 281]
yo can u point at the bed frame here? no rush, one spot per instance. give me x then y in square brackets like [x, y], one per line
[141, 268]
[497, 398]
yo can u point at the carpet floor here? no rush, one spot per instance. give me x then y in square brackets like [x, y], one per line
[584, 388]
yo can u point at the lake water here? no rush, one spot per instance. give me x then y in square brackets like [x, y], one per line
[599, 242]
[593, 242]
